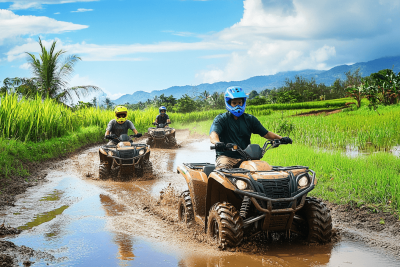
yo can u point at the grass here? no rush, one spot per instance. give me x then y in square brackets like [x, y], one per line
[304, 105]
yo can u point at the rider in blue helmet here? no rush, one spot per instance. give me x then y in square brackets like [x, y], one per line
[162, 118]
[235, 126]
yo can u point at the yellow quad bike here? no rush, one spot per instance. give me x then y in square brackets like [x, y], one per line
[161, 136]
[124, 159]
[235, 203]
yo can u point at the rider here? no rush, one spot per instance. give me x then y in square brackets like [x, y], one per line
[162, 118]
[235, 126]
[120, 125]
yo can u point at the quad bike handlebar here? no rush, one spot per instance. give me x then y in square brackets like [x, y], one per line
[250, 152]
[114, 137]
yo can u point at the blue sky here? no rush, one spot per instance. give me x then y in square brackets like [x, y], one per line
[130, 45]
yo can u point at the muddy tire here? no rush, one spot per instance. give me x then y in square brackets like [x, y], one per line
[319, 221]
[149, 141]
[172, 142]
[185, 208]
[148, 168]
[104, 170]
[225, 225]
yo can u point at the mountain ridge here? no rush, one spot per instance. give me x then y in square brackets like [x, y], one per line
[259, 83]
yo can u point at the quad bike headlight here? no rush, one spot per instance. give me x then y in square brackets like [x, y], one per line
[242, 185]
[303, 182]
[141, 152]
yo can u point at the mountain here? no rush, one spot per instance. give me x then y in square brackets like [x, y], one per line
[259, 83]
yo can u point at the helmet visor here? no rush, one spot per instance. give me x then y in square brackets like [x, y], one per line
[121, 115]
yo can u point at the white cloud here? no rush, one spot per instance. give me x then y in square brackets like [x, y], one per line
[12, 25]
[93, 52]
[183, 34]
[57, 13]
[298, 34]
[215, 56]
[24, 4]
[25, 66]
[81, 10]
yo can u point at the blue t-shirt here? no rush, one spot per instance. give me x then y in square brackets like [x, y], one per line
[237, 131]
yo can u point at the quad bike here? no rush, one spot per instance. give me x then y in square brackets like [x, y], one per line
[161, 136]
[240, 202]
[125, 158]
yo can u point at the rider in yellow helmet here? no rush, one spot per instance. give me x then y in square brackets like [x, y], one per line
[120, 125]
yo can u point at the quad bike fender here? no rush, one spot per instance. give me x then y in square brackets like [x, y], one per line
[197, 184]
[220, 190]
[104, 157]
[256, 165]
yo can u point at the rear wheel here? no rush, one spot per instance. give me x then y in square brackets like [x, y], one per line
[185, 208]
[149, 141]
[225, 225]
[317, 221]
[104, 170]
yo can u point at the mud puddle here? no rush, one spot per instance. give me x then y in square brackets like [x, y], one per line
[82, 221]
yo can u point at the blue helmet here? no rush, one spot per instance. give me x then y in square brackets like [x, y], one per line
[162, 108]
[234, 92]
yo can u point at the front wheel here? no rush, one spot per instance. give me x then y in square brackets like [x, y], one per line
[225, 225]
[185, 208]
[318, 219]
[104, 170]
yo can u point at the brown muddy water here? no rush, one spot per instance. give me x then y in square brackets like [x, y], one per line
[83, 221]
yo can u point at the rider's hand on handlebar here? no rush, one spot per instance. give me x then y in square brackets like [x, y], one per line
[220, 146]
[107, 136]
[286, 140]
[138, 135]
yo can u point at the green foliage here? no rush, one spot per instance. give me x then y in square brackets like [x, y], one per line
[253, 94]
[257, 101]
[51, 75]
[186, 104]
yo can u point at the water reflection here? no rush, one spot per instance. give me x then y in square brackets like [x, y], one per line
[124, 241]
[277, 255]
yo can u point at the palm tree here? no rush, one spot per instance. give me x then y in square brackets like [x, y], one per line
[52, 75]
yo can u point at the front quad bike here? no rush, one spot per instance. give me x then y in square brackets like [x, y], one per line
[161, 136]
[238, 202]
[124, 159]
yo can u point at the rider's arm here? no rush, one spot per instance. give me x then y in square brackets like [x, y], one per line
[135, 131]
[216, 130]
[272, 136]
[109, 127]
[168, 121]
[214, 138]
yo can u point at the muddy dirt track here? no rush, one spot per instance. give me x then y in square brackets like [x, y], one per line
[75, 219]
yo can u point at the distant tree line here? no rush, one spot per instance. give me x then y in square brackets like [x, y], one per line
[303, 90]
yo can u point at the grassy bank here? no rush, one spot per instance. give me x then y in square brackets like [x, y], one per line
[14, 154]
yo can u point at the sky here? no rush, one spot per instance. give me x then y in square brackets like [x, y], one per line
[132, 45]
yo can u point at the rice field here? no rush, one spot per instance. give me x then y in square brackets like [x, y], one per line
[39, 120]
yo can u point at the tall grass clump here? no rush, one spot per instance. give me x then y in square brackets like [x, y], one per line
[34, 120]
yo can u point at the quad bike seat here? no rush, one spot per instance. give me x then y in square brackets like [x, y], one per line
[207, 169]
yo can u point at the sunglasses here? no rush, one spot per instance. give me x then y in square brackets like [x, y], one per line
[162, 111]
[121, 115]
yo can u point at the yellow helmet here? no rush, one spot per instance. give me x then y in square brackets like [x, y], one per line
[119, 114]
